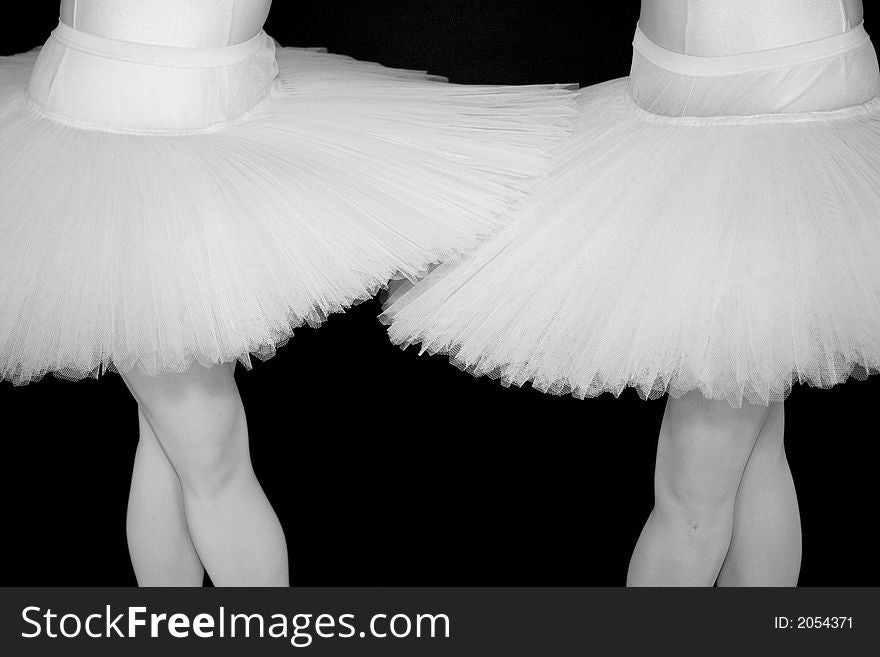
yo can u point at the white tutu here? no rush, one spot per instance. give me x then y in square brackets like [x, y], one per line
[162, 206]
[713, 225]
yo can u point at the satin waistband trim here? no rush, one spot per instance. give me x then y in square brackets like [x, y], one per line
[786, 56]
[158, 55]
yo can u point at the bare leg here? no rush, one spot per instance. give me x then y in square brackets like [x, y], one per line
[701, 455]
[199, 421]
[766, 546]
[162, 551]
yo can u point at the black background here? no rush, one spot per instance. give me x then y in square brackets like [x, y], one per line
[387, 468]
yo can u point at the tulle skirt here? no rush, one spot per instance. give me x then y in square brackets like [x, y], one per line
[712, 225]
[163, 206]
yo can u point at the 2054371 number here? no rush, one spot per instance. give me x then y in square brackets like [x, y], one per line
[824, 622]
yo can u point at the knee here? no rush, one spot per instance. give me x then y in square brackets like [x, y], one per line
[210, 468]
[703, 514]
[205, 438]
[697, 529]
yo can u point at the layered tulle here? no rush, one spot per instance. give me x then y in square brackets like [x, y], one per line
[122, 250]
[732, 255]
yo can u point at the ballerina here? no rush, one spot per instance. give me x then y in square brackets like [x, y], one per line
[178, 194]
[710, 232]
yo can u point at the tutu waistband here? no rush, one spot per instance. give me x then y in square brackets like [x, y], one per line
[823, 75]
[147, 53]
[800, 53]
[113, 85]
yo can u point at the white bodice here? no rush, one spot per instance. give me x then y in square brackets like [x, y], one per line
[181, 23]
[711, 28]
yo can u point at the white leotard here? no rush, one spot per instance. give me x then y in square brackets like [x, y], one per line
[726, 27]
[184, 23]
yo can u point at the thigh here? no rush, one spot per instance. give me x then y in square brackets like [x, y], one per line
[169, 390]
[196, 416]
[150, 458]
[704, 447]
